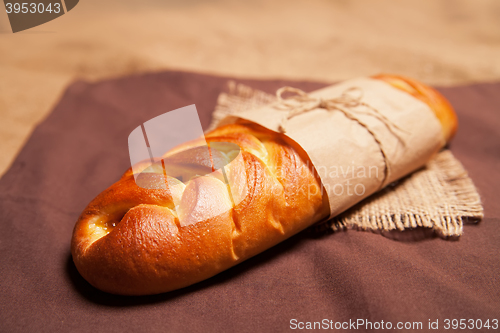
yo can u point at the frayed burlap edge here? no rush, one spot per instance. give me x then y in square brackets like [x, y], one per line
[239, 98]
[440, 196]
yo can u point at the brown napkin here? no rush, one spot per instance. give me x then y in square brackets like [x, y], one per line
[441, 196]
[81, 149]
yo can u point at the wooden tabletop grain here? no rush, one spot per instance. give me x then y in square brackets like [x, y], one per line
[439, 42]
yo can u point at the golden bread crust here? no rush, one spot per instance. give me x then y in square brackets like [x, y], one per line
[438, 104]
[148, 251]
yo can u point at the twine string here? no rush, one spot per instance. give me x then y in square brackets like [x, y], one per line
[348, 103]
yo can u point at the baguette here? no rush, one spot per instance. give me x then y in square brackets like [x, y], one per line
[129, 240]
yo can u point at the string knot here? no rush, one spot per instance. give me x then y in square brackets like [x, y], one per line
[349, 103]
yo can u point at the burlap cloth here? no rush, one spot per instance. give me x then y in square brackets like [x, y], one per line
[440, 196]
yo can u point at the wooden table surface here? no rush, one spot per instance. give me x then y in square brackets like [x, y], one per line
[443, 42]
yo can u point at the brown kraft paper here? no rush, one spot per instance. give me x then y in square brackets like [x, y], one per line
[357, 149]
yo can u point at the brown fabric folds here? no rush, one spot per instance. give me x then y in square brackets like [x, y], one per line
[440, 196]
[81, 149]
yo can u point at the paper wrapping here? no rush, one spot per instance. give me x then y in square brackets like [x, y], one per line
[357, 154]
